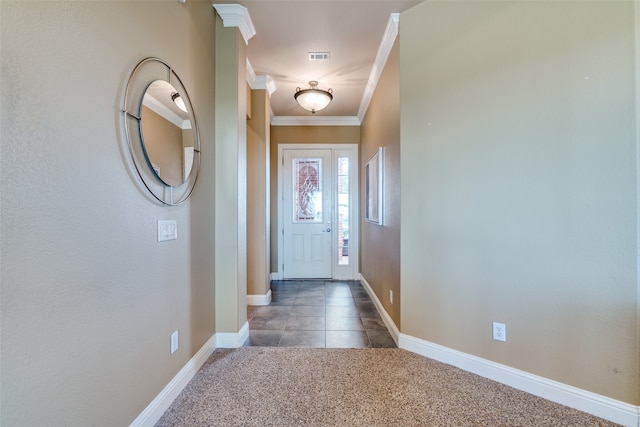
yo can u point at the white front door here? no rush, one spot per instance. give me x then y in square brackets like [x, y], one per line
[308, 210]
[318, 211]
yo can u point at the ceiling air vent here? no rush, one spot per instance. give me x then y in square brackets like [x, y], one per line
[319, 56]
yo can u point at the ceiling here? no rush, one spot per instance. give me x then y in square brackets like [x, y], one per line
[286, 31]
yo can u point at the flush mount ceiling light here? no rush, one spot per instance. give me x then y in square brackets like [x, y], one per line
[177, 99]
[313, 99]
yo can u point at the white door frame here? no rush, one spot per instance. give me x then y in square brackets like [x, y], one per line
[349, 272]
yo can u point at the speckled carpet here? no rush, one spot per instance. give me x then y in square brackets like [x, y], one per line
[268, 386]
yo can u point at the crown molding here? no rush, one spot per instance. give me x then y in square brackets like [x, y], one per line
[315, 121]
[384, 50]
[265, 83]
[235, 15]
[163, 111]
[260, 82]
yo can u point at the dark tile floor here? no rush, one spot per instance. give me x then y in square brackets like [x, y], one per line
[317, 313]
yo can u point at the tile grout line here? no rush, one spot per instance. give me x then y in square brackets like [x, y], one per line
[326, 294]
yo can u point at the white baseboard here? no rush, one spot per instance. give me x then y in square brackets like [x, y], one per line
[152, 413]
[276, 276]
[231, 339]
[259, 299]
[393, 329]
[592, 403]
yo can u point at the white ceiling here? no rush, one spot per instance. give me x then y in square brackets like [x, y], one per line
[352, 31]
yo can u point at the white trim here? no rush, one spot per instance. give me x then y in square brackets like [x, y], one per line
[259, 82]
[315, 121]
[384, 50]
[393, 329]
[277, 275]
[264, 83]
[165, 112]
[232, 339]
[259, 299]
[235, 15]
[586, 401]
[152, 413]
[350, 271]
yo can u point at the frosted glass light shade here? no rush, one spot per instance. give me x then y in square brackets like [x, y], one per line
[313, 99]
[177, 99]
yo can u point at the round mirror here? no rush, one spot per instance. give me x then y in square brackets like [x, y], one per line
[161, 131]
[167, 134]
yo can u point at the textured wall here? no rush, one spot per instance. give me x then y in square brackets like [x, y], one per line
[380, 244]
[89, 297]
[519, 186]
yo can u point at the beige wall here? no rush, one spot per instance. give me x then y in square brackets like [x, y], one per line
[380, 244]
[300, 135]
[258, 141]
[519, 186]
[89, 297]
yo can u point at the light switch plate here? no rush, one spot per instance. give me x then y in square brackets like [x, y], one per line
[167, 230]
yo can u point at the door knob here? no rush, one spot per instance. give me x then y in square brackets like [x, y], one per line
[327, 230]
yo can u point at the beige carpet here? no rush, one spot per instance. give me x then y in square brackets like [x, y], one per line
[268, 386]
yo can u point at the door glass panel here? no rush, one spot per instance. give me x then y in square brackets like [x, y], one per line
[343, 211]
[307, 190]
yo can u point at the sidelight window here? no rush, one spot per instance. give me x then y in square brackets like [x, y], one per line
[343, 211]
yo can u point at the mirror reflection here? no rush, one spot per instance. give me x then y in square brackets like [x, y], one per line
[167, 133]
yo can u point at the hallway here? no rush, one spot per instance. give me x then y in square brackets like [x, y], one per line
[318, 314]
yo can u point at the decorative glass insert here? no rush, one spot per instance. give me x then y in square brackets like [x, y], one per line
[343, 211]
[307, 190]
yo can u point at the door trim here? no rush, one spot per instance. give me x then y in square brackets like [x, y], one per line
[337, 272]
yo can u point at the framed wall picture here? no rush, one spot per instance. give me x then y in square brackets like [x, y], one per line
[373, 179]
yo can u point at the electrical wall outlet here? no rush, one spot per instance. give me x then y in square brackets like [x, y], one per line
[174, 342]
[499, 331]
[390, 296]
